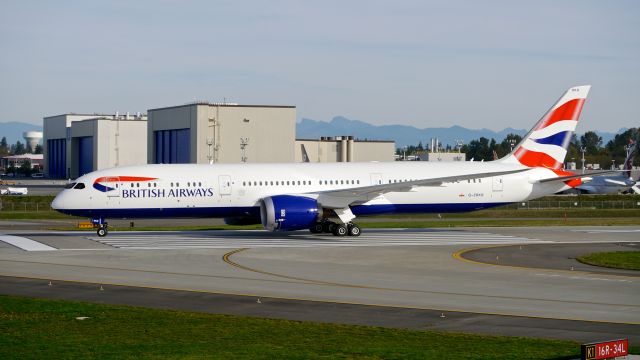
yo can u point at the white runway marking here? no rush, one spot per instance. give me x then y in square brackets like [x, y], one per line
[25, 244]
[596, 231]
[230, 240]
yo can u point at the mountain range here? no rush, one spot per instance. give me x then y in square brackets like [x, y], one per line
[405, 135]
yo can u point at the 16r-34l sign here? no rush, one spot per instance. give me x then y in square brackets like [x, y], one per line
[605, 350]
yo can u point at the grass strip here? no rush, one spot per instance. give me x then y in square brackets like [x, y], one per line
[629, 260]
[48, 329]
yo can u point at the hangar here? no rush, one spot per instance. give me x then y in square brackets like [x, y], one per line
[207, 133]
[198, 133]
[76, 144]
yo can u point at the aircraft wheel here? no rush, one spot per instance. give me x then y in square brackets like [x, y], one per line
[340, 230]
[102, 231]
[353, 230]
[328, 226]
[316, 228]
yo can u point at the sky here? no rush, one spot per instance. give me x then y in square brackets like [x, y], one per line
[477, 64]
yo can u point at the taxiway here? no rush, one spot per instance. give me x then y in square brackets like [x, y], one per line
[416, 278]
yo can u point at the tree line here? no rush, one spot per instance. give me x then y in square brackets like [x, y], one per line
[595, 151]
[16, 149]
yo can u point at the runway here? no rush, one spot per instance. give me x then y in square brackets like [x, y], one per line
[388, 269]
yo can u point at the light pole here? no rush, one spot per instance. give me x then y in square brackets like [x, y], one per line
[582, 150]
[404, 154]
[512, 143]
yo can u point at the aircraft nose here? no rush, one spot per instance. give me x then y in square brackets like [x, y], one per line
[57, 202]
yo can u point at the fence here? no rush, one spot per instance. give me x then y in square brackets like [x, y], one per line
[25, 206]
[529, 205]
[575, 204]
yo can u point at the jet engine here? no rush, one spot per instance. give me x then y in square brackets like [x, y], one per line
[288, 212]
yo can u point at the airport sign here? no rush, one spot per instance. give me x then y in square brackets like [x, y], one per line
[605, 350]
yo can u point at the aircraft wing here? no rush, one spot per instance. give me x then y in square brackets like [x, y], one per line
[342, 198]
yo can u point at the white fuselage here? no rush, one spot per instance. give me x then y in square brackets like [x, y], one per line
[235, 190]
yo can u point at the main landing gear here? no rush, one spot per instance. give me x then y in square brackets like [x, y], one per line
[327, 226]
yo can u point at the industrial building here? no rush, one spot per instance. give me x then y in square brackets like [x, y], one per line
[76, 144]
[198, 133]
[443, 156]
[206, 133]
[17, 160]
[343, 149]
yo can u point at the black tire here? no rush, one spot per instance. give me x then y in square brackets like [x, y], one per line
[340, 230]
[328, 227]
[316, 228]
[102, 232]
[354, 230]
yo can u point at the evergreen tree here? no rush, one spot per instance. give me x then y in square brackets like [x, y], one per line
[18, 148]
[38, 149]
[592, 142]
[25, 168]
[4, 147]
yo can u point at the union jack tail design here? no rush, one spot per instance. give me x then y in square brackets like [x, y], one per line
[546, 144]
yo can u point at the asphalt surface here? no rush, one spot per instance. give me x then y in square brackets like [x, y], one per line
[394, 278]
[324, 312]
[557, 256]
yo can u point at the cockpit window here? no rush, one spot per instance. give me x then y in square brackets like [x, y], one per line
[69, 185]
[79, 186]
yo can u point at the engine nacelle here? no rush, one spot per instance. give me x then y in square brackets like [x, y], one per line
[288, 212]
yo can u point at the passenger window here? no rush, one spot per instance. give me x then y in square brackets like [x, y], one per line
[358, 182]
[271, 182]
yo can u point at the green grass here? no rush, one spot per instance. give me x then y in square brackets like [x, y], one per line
[47, 329]
[618, 260]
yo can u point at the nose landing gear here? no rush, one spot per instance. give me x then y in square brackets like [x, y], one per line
[103, 230]
[102, 225]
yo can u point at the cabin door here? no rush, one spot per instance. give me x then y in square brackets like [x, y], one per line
[376, 179]
[497, 183]
[224, 184]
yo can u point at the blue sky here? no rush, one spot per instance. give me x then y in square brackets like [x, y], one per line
[490, 64]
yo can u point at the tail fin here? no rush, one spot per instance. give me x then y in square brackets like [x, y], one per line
[546, 144]
[628, 162]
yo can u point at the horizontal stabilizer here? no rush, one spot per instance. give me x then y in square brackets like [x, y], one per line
[577, 176]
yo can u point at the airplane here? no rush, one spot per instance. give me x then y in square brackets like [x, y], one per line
[327, 197]
[613, 184]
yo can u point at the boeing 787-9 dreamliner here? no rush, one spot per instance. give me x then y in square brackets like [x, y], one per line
[327, 197]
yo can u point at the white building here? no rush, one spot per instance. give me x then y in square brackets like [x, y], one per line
[205, 133]
[344, 149]
[75, 144]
